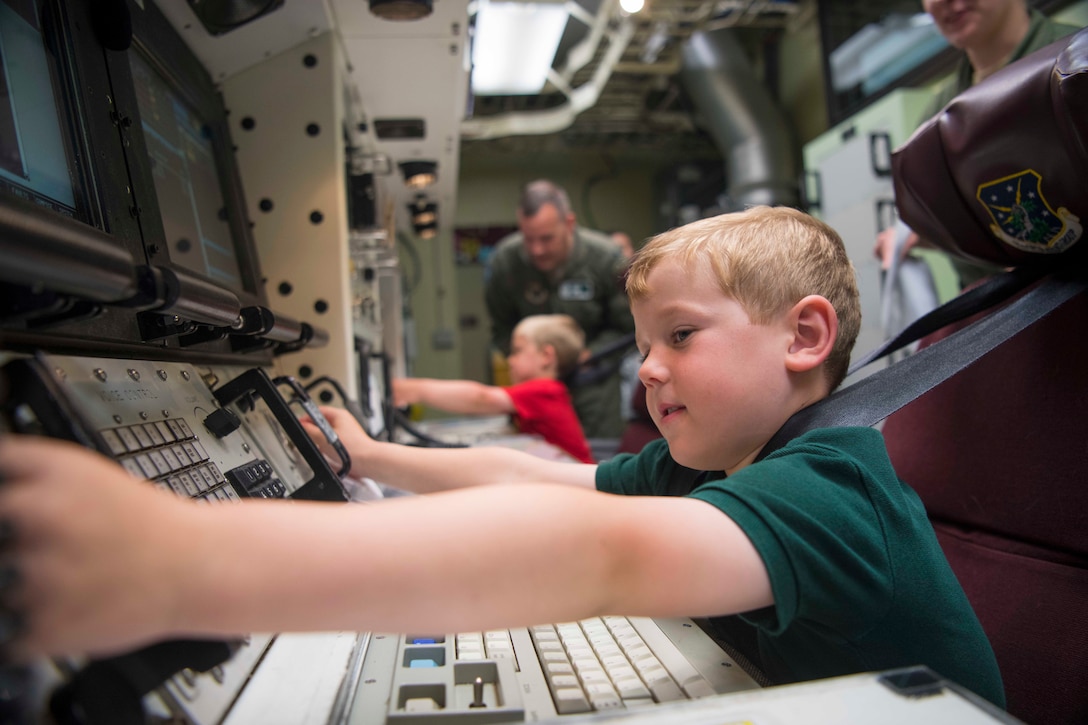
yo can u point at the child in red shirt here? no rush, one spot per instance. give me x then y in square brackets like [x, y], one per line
[543, 348]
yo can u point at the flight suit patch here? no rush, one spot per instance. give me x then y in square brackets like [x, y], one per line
[576, 290]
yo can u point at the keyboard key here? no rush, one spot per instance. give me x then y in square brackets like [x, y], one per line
[604, 664]
[570, 700]
[631, 688]
[665, 690]
[114, 442]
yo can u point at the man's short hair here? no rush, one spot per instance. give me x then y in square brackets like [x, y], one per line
[536, 194]
[767, 259]
[561, 332]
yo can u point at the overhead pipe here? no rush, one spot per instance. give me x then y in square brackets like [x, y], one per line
[762, 162]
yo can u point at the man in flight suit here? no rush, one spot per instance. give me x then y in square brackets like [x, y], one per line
[553, 266]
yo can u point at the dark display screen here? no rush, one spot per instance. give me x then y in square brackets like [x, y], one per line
[187, 181]
[34, 159]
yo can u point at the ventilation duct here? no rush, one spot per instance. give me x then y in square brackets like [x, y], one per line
[761, 161]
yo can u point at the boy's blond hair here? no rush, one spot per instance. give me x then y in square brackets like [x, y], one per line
[559, 331]
[767, 259]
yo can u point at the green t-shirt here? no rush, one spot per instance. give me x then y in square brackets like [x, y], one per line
[860, 582]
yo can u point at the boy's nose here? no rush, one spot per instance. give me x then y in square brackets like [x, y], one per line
[651, 371]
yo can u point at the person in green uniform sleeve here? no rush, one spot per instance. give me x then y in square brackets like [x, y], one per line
[553, 266]
[818, 550]
[991, 34]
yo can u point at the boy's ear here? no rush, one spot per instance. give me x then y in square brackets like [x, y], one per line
[814, 326]
[550, 355]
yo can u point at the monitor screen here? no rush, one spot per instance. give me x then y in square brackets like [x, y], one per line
[35, 163]
[187, 181]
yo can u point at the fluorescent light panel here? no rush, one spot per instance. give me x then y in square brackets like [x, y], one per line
[514, 46]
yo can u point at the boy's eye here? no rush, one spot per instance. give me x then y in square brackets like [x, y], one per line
[681, 335]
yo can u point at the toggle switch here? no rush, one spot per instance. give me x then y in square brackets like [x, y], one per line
[222, 422]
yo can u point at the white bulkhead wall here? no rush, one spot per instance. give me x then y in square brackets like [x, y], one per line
[285, 117]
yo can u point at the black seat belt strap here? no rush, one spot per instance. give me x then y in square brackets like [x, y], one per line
[993, 291]
[872, 399]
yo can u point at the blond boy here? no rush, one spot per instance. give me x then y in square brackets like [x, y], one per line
[543, 349]
[742, 320]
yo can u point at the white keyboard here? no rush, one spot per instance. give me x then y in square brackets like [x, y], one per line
[595, 665]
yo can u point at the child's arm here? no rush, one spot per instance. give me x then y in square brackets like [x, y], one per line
[426, 470]
[467, 397]
[108, 563]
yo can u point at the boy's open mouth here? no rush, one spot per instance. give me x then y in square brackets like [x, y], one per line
[668, 410]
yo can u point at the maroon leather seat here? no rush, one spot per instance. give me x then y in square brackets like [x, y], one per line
[999, 452]
[641, 429]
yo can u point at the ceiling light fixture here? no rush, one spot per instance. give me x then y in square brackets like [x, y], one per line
[222, 16]
[419, 174]
[401, 9]
[514, 45]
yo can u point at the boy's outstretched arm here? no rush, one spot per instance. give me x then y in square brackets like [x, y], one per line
[466, 397]
[109, 563]
[426, 470]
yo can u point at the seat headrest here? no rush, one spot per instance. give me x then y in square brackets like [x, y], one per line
[1001, 173]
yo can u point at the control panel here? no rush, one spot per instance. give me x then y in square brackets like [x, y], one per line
[217, 434]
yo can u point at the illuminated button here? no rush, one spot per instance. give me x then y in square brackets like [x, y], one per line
[177, 431]
[131, 444]
[182, 455]
[177, 485]
[165, 431]
[141, 436]
[160, 463]
[190, 486]
[172, 459]
[145, 464]
[417, 664]
[117, 447]
[132, 467]
[154, 434]
[185, 429]
[201, 454]
[203, 478]
[193, 453]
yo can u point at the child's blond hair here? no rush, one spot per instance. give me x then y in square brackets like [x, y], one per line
[767, 259]
[561, 332]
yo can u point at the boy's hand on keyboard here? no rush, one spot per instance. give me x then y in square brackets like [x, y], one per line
[88, 547]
